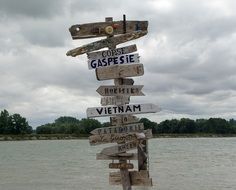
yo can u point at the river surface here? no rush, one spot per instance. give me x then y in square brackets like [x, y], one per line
[175, 164]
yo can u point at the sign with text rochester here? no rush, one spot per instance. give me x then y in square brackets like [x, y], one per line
[121, 109]
[126, 90]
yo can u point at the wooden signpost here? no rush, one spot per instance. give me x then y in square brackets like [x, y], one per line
[114, 60]
[122, 90]
[112, 52]
[128, 128]
[119, 71]
[105, 43]
[114, 100]
[118, 64]
[121, 110]
[100, 29]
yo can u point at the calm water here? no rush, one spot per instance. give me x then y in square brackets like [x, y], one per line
[175, 164]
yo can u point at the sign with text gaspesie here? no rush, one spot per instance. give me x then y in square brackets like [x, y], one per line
[115, 60]
[121, 109]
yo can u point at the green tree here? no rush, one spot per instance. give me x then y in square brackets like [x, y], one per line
[149, 124]
[4, 121]
[19, 125]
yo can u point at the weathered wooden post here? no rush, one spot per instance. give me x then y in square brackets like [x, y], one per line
[118, 64]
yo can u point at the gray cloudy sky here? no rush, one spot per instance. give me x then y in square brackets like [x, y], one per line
[189, 57]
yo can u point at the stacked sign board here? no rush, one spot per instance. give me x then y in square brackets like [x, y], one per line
[118, 64]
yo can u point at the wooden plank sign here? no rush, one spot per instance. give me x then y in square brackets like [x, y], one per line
[135, 127]
[115, 60]
[105, 43]
[124, 81]
[112, 52]
[121, 166]
[113, 150]
[114, 100]
[125, 90]
[99, 29]
[123, 156]
[119, 71]
[138, 178]
[125, 119]
[119, 137]
[121, 109]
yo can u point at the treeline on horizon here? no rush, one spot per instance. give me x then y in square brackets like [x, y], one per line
[18, 125]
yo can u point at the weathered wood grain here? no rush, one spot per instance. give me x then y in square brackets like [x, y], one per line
[112, 52]
[138, 178]
[124, 90]
[119, 71]
[121, 148]
[121, 110]
[119, 137]
[105, 43]
[125, 119]
[114, 100]
[123, 156]
[100, 29]
[121, 166]
[129, 128]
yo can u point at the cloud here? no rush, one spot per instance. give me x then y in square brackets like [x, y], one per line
[31, 8]
[188, 56]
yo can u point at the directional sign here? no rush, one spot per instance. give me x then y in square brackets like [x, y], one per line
[119, 71]
[99, 29]
[122, 109]
[112, 52]
[125, 119]
[115, 60]
[138, 178]
[121, 166]
[114, 100]
[105, 43]
[113, 150]
[134, 127]
[126, 90]
[119, 137]
[124, 81]
[122, 156]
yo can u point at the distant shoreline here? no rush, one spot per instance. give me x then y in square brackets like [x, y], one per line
[71, 136]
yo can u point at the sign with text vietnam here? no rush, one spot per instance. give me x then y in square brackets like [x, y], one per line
[112, 52]
[126, 90]
[116, 60]
[119, 71]
[121, 109]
